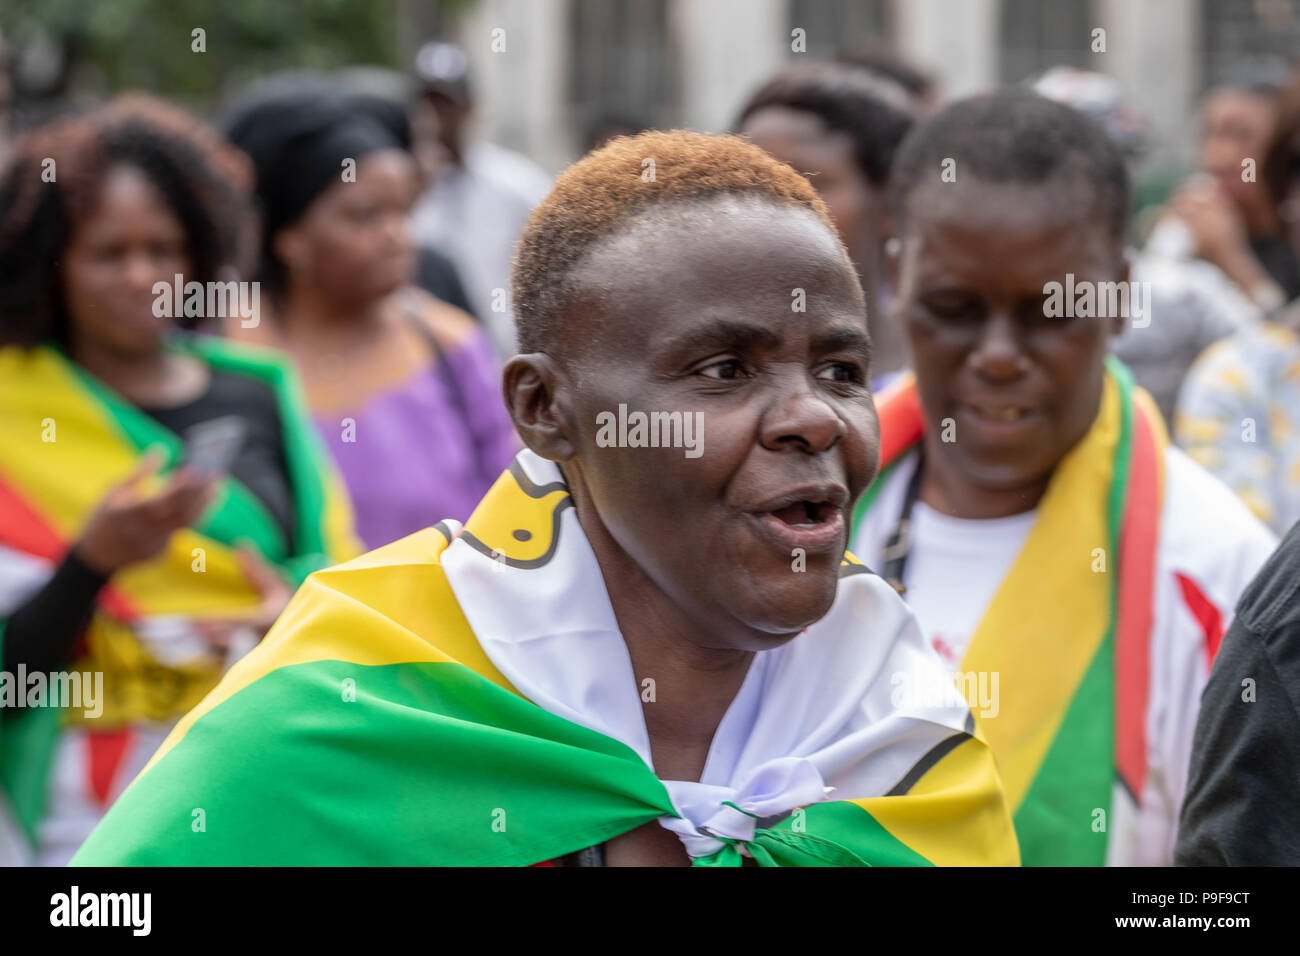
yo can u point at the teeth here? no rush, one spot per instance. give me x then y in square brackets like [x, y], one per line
[1009, 414]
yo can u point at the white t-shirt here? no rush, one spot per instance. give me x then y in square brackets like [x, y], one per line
[953, 571]
[1210, 546]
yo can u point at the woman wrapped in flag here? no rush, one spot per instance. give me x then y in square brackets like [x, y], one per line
[647, 645]
[160, 494]
[1074, 570]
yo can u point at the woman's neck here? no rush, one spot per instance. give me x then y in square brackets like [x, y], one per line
[948, 492]
[155, 378]
[308, 313]
[685, 686]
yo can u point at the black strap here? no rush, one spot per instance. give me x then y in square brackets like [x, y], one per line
[899, 546]
[441, 365]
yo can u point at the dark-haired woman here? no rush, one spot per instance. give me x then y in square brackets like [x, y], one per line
[403, 388]
[160, 493]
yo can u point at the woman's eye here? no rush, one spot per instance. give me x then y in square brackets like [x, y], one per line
[952, 307]
[842, 372]
[1044, 311]
[727, 371]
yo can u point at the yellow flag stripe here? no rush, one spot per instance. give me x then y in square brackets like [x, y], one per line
[953, 815]
[89, 453]
[1049, 617]
[378, 606]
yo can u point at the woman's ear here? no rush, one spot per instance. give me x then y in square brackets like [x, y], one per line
[1120, 322]
[289, 246]
[535, 395]
[893, 248]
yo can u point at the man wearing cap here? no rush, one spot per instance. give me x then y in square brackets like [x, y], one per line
[480, 196]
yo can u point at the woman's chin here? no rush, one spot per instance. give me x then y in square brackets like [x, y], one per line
[784, 608]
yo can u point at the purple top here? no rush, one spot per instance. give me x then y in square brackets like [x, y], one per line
[427, 449]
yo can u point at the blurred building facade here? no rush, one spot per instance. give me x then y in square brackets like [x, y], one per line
[548, 70]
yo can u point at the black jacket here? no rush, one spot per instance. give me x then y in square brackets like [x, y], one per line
[1243, 790]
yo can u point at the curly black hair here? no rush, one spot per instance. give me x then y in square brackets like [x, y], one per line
[203, 181]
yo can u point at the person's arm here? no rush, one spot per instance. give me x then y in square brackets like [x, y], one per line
[1241, 808]
[1219, 237]
[41, 632]
[126, 527]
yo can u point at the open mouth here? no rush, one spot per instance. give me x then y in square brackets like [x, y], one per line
[816, 525]
[806, 514]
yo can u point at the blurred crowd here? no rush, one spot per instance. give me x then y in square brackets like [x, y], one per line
[273, 341]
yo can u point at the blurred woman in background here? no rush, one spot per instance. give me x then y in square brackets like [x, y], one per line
[160, 494]
[404, 388]
[1227, 215]
[1239, 410]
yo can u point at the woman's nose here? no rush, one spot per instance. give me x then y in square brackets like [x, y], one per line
[999, 352]
[140, 270]
[801, 419]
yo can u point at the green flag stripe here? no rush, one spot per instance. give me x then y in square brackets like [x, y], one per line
[848, 836]
[304, 452]
[871, 494]
[335, 763]
[1057, 822]
[430, 764]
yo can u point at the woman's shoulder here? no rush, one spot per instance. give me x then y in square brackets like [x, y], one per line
[242, 358]
[1249, 359]
[450, 327]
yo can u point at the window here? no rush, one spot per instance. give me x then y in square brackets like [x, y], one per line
[1036, 36]
[623, 68]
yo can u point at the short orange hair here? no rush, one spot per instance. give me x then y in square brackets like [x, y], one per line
[608, 188]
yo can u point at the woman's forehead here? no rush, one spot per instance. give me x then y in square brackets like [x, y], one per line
[710, 239]
[663, 278]
[1053, 211]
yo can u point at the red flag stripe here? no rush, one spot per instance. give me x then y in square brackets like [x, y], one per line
[1206, 614]
[23, 529]
[901, 420]
[1137, 565]
[105, 750]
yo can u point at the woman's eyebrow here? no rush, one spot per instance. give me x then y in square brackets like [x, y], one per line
[835, 340]
[724, 333]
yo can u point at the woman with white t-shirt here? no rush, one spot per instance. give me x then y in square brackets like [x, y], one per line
[1070, 567]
